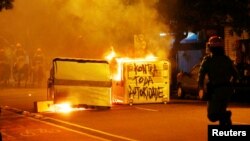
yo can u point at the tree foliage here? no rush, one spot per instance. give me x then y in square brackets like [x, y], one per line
[183, 15]
[6, 4]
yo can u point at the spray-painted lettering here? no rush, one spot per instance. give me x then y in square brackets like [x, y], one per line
[146, 92]
[143, 68]
[144, 80]
[141, 82]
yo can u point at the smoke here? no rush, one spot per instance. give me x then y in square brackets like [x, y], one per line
[83, 28]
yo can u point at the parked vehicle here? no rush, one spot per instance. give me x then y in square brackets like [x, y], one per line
[187, 84]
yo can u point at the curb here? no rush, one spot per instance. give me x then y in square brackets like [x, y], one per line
[22, 112]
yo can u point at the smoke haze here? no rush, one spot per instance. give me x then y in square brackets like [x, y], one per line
[82, 28]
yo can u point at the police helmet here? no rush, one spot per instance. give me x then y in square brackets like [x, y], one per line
[215, 41]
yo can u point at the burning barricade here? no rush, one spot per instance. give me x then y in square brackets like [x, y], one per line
[101, 83]
[140, 80]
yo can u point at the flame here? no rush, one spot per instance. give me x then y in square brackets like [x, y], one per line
[63, 108]
[111, 55]
[117, 76]
[151, 57]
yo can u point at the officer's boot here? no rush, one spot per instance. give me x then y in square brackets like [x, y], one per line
[226, 119]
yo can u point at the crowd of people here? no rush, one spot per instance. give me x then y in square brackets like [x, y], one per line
[19, 68]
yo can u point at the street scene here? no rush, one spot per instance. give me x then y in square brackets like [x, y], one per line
[133, 70]
[177, 120]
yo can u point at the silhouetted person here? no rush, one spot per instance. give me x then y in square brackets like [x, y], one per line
[38, 67]
[221, 72]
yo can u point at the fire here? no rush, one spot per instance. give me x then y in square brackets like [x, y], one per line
[111, 55]
[117, 76]
[64, 108]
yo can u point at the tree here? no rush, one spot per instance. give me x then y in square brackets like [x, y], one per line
[184, 15]
[6, 4]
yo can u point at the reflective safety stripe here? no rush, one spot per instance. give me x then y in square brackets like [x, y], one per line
[82, 83]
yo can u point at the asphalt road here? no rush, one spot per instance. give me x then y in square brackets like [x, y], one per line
[179, 120]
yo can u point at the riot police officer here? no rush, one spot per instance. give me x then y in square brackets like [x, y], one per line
[38, 68]
[38, 57]
[19, 52]
[221, 72]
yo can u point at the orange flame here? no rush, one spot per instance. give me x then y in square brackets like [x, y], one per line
[111, 55]
[117, 76]
[64, 108]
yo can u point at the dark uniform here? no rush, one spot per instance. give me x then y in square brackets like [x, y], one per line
[20, 55]
[220, 71]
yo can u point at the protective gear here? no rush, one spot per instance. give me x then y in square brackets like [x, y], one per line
[39, 50]
[19, 52]
[38, 56]
[18, 45]
[220, 69]
[225, 119]
[215, 41]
